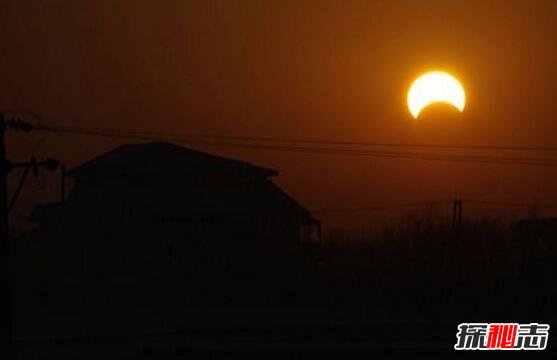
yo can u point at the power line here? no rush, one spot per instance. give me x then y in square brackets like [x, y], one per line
[154, 134]
[214, 141]
[381, 207]
[511, 204]
[274, 144]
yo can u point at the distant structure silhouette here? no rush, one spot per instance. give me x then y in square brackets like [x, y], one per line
[160, 220]
[160, 192]
[537, 243]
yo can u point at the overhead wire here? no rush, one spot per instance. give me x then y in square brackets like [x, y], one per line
[289, 140]
[207, 140]
[306, 145]
[380, 207]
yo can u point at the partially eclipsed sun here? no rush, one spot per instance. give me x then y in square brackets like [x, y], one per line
[435, 87]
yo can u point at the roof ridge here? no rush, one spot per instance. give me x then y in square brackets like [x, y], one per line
[170, 156]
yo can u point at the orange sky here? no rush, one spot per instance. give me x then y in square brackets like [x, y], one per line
[316, 69]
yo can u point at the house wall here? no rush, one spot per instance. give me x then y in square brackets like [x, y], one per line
[165, 224]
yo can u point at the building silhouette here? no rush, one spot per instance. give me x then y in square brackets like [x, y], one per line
[157, 219]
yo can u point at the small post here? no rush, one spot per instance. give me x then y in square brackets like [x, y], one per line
[457, 213]
[62, 183]
[460, 212]
[455, 207]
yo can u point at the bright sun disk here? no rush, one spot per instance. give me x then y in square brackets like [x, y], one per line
[435, 87]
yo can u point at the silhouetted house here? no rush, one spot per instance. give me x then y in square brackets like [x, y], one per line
[154, 203]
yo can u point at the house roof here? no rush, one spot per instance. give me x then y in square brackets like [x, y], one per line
[163, 158]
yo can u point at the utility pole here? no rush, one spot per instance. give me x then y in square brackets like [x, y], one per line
[62, 183]
[6, 308]
[5, 259]
[460, 212]
[457, 213]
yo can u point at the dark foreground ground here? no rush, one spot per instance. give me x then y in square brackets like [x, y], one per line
[401, 294]
[302, 342]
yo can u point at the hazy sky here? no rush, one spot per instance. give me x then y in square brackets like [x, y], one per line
[316, 69]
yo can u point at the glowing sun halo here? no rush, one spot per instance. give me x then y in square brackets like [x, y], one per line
[435, 87]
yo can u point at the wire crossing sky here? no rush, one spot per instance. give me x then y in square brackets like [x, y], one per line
[263, 144]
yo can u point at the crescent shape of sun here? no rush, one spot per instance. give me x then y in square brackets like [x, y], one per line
[435, 87]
